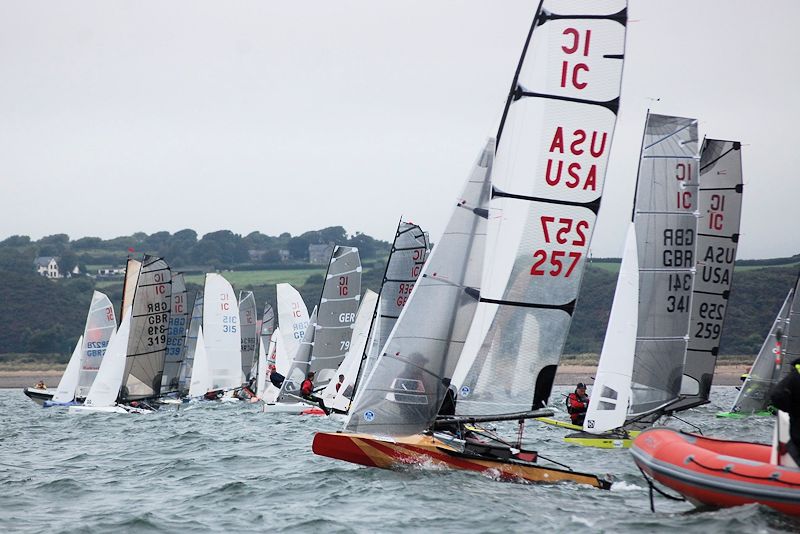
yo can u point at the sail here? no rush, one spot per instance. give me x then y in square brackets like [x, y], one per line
[336, 313]
[248, 327]
[608, 406]
[290, 390]
[719, 202]
[69, 380]
[132, 269]
[552, 152]
[201, 381]
[176, 335]
[221, 333]
[190, 344]
[792, 333]
[147, 344]
[666, 229]
[404, 391]
[340, 398]
[261, 368]
[106, 385]
[267, 323]
[293, 321]
[100, 326]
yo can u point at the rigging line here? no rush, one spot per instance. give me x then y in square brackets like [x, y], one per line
[679, 130]
[733, 237]
[569, 307]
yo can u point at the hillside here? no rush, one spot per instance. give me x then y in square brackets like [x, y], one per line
[43, 318]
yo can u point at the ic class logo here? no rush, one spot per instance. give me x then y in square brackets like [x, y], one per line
[465, 391]
[369, 415]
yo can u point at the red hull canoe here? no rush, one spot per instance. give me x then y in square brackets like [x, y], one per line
[396, 453]
[717, 472]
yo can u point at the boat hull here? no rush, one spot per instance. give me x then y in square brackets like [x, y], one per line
[39, 396]
[715, 472]
[424, 450]
[608, 440]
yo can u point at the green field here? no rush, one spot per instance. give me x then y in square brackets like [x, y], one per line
[296, 277]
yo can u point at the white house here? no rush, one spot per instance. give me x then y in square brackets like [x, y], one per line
[47, 266]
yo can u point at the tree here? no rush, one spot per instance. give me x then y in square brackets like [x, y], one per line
[16, 241]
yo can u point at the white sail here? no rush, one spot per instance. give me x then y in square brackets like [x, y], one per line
[608, 406]
[552, 152]
[105, 389]
[201, 372]
[69, 380]
[100, 326]
[190, 344]
[222, 333]
[290, 390]
[293, 321]
[340, 399]
[261, 373]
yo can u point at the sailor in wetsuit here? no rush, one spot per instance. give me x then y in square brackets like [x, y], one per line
[786, 397]
[577, 404]
[307, 391]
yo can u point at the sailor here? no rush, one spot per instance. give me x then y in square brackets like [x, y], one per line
[307, 391]
[577, 404]
[339, 383]
[40, 385]
[275, 377]
[786, 397]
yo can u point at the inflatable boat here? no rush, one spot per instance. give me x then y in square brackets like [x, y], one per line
[716, 472]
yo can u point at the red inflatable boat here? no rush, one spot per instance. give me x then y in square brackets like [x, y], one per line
[716, 472]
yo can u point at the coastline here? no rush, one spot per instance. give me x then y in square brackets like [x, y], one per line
[724, 375]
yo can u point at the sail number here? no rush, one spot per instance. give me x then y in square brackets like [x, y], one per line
[563, 231]
[343, 285]
[576, 42]
[403, 291]
[229, 323]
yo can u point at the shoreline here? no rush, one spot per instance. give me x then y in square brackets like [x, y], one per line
[567, 375]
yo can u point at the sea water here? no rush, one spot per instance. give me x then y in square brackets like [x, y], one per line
[214, 467]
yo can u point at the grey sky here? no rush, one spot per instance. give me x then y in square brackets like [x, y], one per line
[117, 117]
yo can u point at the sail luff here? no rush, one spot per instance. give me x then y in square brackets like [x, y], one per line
[65, 392]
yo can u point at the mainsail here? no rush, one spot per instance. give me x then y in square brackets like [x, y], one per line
[552, 151]
[666, 229]
[248, 326]
[405, 389]
[176, 335]
[267, 324]
[407, 256]
[147, 343]
[293, 322]
[222, 333]
[100, 326]
[290, 390]
[719, 203]
[190, 344]
[201, 381]
[769, 363]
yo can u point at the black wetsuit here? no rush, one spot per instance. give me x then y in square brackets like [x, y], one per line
[786, 397]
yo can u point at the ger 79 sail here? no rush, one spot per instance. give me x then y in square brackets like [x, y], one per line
[553, 145]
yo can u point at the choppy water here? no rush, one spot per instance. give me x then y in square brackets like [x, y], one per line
[226, 467]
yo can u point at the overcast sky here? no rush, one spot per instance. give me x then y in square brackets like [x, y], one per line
[117, 117]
